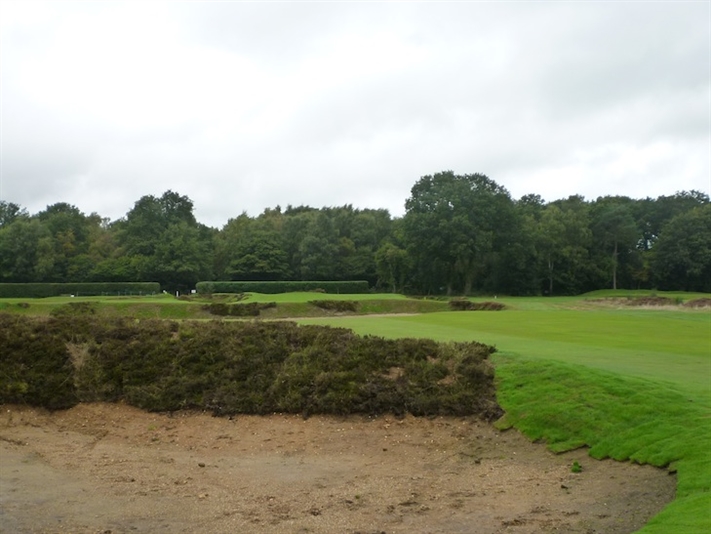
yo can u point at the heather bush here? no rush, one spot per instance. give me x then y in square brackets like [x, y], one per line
[249, 309]
[467, 305]
[238, 367]
[83, 307]
[336, 305]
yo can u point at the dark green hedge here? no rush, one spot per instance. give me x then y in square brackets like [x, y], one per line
[350, 287]
[79, 289]
[238, 367]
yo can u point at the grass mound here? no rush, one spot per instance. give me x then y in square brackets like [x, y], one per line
[238, 367]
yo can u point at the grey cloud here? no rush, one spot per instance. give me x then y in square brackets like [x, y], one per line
[276, 33]
[249, 105]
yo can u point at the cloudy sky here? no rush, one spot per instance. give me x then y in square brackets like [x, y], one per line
[242, 106]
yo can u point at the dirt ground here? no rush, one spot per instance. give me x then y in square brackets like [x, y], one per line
[104, 468]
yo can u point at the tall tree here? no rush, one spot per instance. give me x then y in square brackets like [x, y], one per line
[615, 231]
[456, 224]
[393, 267]
[141, 230]
[9, 212]
[26, 252]
[562, 240]
[164, 242]
[182, 257]
[71, 232]
[682, 255]
[319, 250]
[258, 252]
[360, 233]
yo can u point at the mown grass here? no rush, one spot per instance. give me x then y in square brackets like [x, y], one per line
[666, 346]
[630, 384]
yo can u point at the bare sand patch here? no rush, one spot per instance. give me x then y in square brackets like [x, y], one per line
[100, 468]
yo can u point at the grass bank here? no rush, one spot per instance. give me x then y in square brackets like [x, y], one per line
[194, 307]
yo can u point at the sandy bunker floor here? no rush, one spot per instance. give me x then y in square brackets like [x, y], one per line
[104, 468]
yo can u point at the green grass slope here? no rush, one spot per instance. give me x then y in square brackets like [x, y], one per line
[193, 307]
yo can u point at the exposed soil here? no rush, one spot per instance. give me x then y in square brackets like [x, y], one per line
[103, 468]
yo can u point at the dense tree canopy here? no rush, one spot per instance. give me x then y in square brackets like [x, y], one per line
[459, 225]
[461, 234]
[682, 257]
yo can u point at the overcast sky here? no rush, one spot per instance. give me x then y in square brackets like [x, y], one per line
[242, 106]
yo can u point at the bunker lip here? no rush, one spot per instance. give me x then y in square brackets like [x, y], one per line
[99, 467]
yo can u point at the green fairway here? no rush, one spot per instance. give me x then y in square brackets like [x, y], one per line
[631, 384]
[662, 345]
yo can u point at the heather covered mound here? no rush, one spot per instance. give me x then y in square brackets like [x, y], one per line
[238, 367]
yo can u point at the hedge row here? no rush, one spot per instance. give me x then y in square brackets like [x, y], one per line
[83, 289]
[348, 287]
[238, 367]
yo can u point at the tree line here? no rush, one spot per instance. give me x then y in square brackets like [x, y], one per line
[460, 234]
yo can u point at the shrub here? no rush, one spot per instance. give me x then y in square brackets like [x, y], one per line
[35, 367]
[468, 305]
[238, 367]
[336, 305]
[249, 309]
[74, 308]
[217, 308]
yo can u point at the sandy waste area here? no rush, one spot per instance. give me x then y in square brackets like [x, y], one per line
[105, 468]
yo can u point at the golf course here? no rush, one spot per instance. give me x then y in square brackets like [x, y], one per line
[628, 381]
